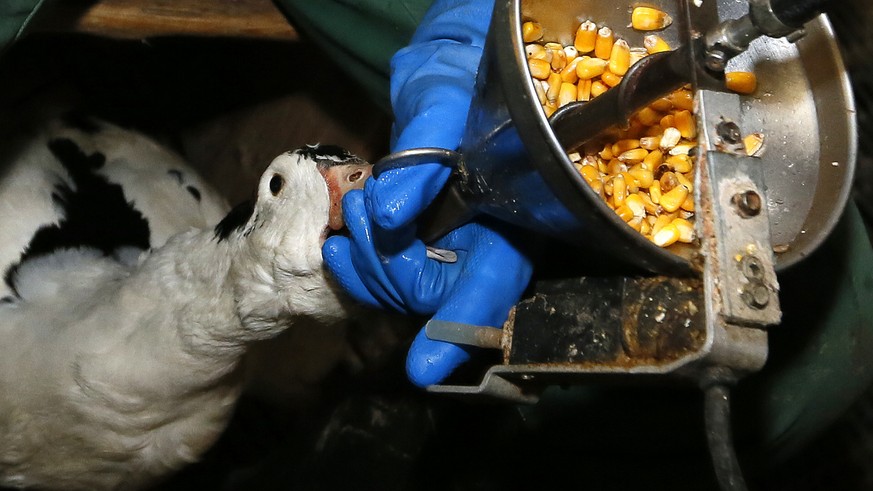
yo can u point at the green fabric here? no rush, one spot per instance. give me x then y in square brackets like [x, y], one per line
[14, 17]
[821, 356]
[359, 35]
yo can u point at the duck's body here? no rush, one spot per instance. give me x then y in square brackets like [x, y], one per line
[122, 326]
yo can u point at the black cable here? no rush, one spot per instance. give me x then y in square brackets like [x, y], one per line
[717, 419]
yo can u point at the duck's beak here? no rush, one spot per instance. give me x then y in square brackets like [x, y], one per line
[340, 180]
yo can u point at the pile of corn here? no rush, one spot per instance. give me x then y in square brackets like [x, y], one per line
[646, 173]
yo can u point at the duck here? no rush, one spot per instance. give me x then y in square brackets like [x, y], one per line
[131, 293]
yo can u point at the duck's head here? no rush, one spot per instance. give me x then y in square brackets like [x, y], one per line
[299, 203]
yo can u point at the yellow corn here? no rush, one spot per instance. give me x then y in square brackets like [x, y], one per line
[668, 182]
[586, 35]
[554, 87]
[619, 57]
[684, 181]
[589, 173]
[588, 68]
[685, 229]
[568, 74]
[683, 148]
[531, 31]
[633, 156]
[637, 54]
[648, 116]
[624, 212]
[655, 44]
[559, 59]
[650, 142]
[537, 52]
[606, 153]
[539, 69]
[583, 90]
[660, 223]
[653, 159]
[673, 199]
[603, 43]
[615, 167]
[666, 236]
[636, 223]
[624, 145]
[649, 19]
[636, 205]
[662, 104]
[619, 191]
[648, 204]
[645, 227]
[597, 88]
[682, 99]
[550, 108]
[643, 176]
[571, 53]
[754, 144]
[741, 82]
[688, 204]
[655, 192]
[610, 78]
[685, 124]
[679, 163]
[567, 94]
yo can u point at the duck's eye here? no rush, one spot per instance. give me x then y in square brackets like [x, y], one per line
[276, 183]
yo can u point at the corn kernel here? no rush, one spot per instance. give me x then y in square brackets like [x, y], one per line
[635, 203]
[668, 235]
[586, 35]
[615, 167]
[597, 88]
[648, 116]
[653, 159]
[670, 138]
[645, 228]
[603, 43]
[537, 52]
[539, 69]
[633, 186]
[567, 94]
[650, 206]
[650, 142]
[684, 181]
[588, 68]
[685, 124]
[637, 54]
[610, 78]
[619, 57]
[571, 53]
[531, 31]
[589, 173]
[668, 181]
[583, 90]
[688, 204]
[661, 222]
[554, 87]
[682, 99]
[636, 223]
[655, 44]
[679, 163]
[667, 121]
[673, 199]
[643, 176]
[754, 144]
[568, 74]
[606, 153]
[619, 191]
[685, 229]
[662, 104]
[633, 156]
[741, 82]
[683, 148]
[649, 19]
[550, 108]
[624, 145]
[559, 59]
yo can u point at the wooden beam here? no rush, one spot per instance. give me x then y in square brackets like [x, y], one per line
[142, 19]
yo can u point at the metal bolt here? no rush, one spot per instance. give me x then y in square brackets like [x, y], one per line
[716, 60]
[748, 203]
[752, 267]
[756, 295]
[729, 132]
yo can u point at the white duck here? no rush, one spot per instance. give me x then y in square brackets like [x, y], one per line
[124, 315]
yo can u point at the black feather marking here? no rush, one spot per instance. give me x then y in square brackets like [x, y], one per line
[95, 211]
[81, 122]
[329, 155]
[194, 192]
[237, 218]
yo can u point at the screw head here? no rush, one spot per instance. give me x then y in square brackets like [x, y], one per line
[752, 267]
[756, 295]
[729, 132]
[748, 204]
[716, 60]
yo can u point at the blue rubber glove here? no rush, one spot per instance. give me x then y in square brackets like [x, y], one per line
[382, 263]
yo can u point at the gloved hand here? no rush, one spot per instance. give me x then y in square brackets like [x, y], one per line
[382, 263]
